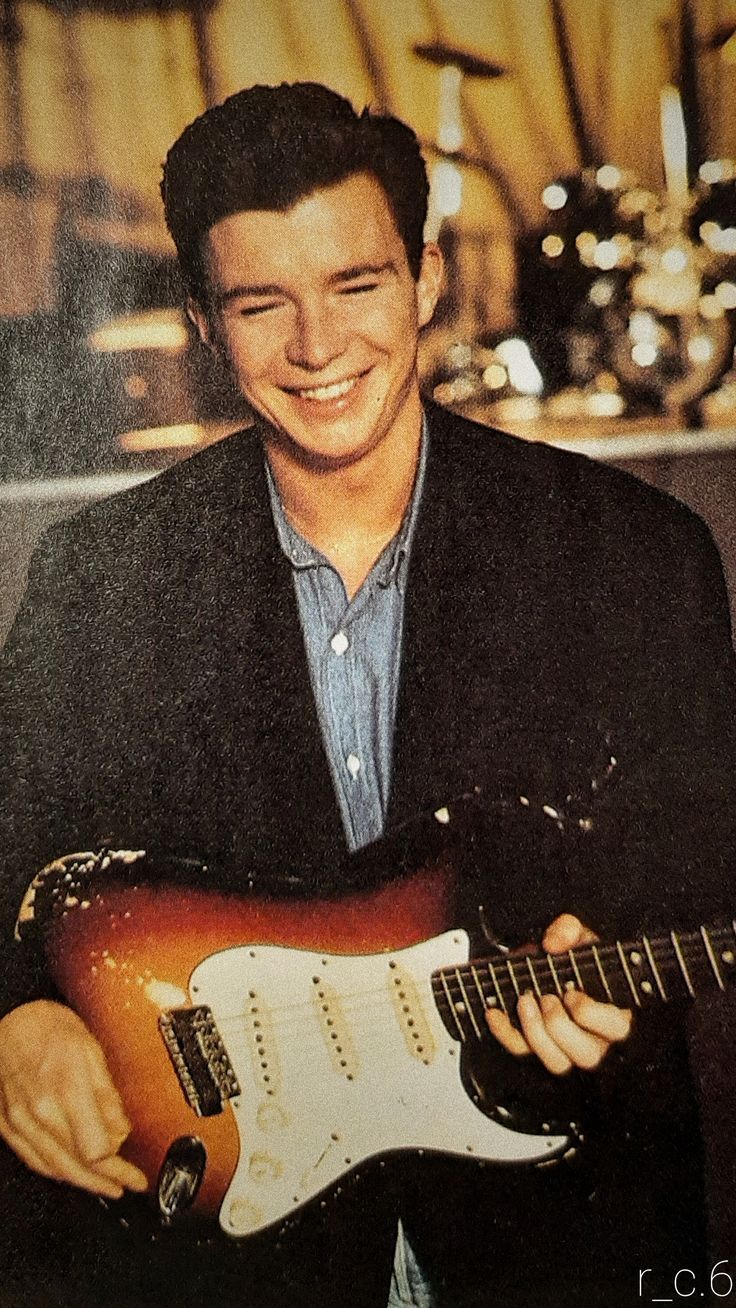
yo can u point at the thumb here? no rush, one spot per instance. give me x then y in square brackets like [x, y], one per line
[566, 932]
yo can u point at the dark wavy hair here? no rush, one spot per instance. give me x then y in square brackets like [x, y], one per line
[268, 147]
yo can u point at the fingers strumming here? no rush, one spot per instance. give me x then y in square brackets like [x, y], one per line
[123, 1173]
[44, 1155]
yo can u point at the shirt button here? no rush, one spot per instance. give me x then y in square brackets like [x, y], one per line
[340, 642]
[353, 764]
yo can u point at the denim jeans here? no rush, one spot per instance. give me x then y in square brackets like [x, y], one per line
[409, 1289]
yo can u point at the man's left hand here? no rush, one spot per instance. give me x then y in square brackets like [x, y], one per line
[575, 1031]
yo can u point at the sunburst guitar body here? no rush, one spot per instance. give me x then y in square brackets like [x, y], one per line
[265, 1048]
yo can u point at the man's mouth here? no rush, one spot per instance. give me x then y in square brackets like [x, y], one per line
[322, 394]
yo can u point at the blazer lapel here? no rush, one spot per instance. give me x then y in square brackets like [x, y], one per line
[278, 795]
[466, 615]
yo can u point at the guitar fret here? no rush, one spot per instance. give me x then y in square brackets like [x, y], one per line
[451, 1004]
[644, 970]
[654, 969]
[682, 964]
[555, 978]
[497, 987]
[602, 975]
[514, 982]
[647, 969]
[479, 988]
[712, 958]
[627, 974]
[578, 977]
[533, 976]
[466, 1001]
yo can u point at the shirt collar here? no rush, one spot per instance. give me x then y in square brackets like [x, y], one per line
[391, 566]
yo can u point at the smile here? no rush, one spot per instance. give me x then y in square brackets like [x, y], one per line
[323, 393]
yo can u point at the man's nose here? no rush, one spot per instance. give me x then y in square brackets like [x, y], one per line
[316, 338]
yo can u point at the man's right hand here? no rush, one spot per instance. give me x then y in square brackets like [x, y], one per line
[59, 1109]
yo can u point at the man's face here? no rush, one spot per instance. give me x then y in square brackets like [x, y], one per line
[317, 314]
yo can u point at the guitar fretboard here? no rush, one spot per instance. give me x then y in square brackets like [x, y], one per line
[634, 974]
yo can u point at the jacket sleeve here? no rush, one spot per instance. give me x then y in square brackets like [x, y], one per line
[712, 1022]
[42, 677]
[676, 829]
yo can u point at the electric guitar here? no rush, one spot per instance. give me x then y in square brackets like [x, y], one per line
[266, 1048]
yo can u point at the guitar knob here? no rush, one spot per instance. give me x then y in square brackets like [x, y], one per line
[180, 1177]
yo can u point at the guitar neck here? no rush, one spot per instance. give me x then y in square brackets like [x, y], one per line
[632, 974]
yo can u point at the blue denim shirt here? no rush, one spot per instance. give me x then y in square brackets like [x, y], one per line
[353, 651]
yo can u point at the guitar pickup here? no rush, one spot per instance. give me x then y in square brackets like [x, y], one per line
[199, 1058]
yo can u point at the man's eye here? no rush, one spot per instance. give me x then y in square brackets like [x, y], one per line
[360, 288]
[253, 310]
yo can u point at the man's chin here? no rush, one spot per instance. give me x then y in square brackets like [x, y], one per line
[314, 453]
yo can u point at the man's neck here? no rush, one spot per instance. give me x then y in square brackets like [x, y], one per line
[349, 513]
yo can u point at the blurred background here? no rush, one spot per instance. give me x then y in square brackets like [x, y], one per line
[581, 155]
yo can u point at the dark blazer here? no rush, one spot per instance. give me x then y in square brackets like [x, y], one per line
[155, 692]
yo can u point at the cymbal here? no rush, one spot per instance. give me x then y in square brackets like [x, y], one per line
[472, 65]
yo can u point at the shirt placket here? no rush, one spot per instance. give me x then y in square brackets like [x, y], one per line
[348, 701]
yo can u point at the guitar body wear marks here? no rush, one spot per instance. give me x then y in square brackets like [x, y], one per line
[266, 1048]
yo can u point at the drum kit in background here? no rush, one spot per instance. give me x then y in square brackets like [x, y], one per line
[626, 296]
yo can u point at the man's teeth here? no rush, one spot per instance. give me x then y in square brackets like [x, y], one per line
[328, 392]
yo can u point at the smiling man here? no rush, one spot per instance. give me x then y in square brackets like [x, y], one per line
[317, 313]
[308, 636]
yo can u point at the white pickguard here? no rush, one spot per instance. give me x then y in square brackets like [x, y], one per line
[340, 1058]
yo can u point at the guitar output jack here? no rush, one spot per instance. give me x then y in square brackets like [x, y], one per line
[180, 1177]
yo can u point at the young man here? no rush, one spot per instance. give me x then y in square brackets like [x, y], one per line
[322, 628]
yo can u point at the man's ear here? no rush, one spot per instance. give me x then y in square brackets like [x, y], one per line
[430, 282]
[198, 316]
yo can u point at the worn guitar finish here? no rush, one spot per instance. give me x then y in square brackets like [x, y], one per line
[127, 960]
[290, 1063]
[264, 1048]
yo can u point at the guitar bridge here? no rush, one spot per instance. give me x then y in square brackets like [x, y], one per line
[199, 1057]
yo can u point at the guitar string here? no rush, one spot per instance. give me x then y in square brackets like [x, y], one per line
[350, 1044]
[353, 1033]
[359, 1039]
[587, 969]
[346, 1002]
[301, 1067]
[352, 1005]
